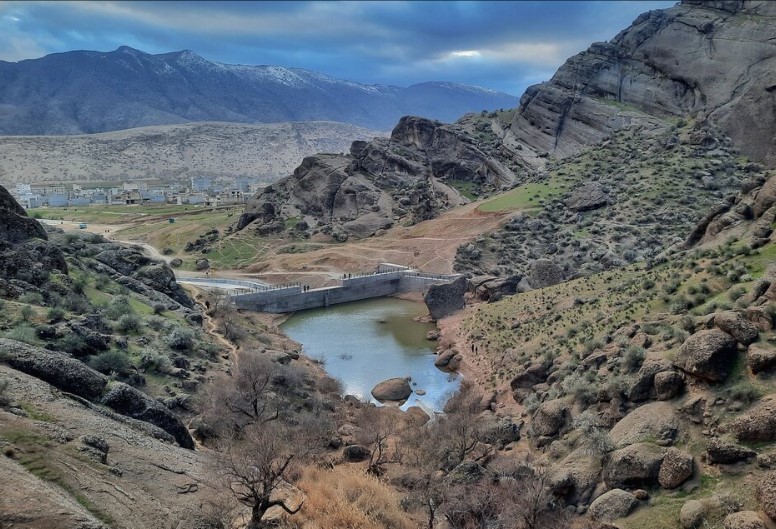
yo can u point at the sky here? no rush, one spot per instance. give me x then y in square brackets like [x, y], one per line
[504, 46]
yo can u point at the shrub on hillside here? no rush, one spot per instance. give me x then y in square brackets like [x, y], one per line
[4, 398]
[76, 303]
[110, 362]
[22, 333]
[633, 358]
[27, 313]
[128, 323]
[117, 307]
[151, 360]
[32, 298]
[73, 344]
[180, 339]
[55, 315]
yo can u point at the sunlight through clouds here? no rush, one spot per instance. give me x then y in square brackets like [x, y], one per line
[497, 45]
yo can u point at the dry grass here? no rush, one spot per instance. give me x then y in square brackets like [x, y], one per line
[348, 498]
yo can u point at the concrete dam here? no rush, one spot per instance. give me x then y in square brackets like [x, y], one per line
[387, 280]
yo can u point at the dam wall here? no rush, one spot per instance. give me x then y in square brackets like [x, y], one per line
[391, 280]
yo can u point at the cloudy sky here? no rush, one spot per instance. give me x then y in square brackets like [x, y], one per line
[500, 45]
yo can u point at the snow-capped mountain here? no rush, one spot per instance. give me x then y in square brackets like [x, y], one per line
[88, 91]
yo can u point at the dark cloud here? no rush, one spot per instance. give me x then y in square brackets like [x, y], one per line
[499, 45]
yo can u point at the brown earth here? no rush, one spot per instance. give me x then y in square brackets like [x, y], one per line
[429, 246]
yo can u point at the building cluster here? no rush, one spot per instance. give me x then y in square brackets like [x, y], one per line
[201, 190]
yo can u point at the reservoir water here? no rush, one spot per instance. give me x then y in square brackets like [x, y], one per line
[366, 342]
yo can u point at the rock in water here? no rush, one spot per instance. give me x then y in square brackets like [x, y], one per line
[392, 390]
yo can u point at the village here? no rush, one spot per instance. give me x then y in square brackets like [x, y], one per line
[202, 190]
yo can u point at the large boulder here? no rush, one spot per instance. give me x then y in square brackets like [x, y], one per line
[587, 197]
[643, 387]
[58, 369]
[124, 260]
[691, 514]
[550, 417]
[501, 431]
[529, 377]
[128, 401]
[761, 358]
[444, 300]
[466, 473]
[449, 359]
[392, 390]
[675, 469]
[766, 494]
[668, 384]
[657, 420]
[161, 278]
[541, 273]
[612, 505]
[708, 355]
[757, 425]
[743, 520]
[576, 477]
[634, 466]
[721, 451]
[737, 326]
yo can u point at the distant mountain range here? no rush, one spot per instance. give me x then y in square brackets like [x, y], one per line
[88, 91]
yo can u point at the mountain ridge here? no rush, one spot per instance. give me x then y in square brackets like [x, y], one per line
[86, 91]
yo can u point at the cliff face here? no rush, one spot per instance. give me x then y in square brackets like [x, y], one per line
[714, 60]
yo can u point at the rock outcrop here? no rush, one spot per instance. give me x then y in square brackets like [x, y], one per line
[444, 300]
[676, 468]
[407, 176]
[708, 59]
[766, 493]
[743, 520]
[634, 466]
[128, 401]
[58, 369]
[26, 256]
[15, 225]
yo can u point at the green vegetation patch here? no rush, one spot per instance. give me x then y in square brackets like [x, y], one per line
[526, 196]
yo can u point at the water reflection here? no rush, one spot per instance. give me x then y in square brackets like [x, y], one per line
[369, 341]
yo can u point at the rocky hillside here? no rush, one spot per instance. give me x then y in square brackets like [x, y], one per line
[105, 363]
[87, 92]
[637, 82]
[409, 177]
[173, 151]
[624, 200]
[650, 388]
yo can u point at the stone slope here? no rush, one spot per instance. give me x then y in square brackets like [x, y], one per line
[713, 60]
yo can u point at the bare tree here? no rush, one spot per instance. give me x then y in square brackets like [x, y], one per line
[257, 465]
[459, 431]
[245, 398]
[527, 496]
[377, 428]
